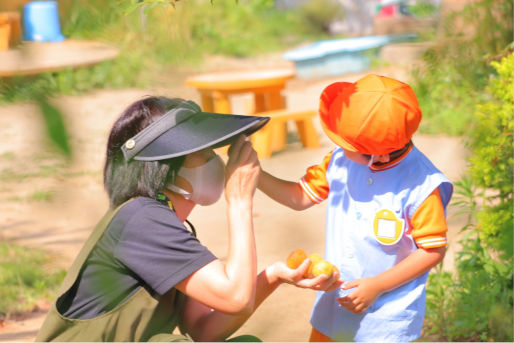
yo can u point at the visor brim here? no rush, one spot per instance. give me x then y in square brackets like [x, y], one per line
[203, 130]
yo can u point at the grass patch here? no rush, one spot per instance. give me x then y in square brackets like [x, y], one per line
[8, 156]
[36, 196]
[41, 196]
[44, 169]
[8, 174]
[26, 276]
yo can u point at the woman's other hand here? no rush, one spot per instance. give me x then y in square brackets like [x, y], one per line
[242, 170]
[280, 271]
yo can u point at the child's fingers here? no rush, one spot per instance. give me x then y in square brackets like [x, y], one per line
[350, 304]
[345, 300]
[359, 308]
[350, 284]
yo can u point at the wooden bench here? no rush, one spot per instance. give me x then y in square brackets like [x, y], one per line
[263, 139]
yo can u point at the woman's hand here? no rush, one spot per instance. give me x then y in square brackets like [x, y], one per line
[366, 292]
[283, 274]
[242, 170]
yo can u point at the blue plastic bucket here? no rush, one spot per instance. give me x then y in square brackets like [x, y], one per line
[41, 22]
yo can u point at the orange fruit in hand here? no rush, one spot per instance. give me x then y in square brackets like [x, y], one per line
[315, 258]
[334, 269]
[317, 267]
[295, 258]
[322, 267]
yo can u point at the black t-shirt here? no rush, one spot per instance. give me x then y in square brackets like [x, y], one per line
[145, 245]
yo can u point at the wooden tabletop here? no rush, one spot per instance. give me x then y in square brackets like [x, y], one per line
[37, 57]
[241, 80]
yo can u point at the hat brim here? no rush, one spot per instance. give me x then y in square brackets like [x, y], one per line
[338, 139]
[203, 130]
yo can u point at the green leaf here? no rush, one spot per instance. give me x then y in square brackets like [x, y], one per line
[55, 127]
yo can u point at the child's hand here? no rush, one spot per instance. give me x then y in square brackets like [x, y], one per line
[296, 277]
[366, 292]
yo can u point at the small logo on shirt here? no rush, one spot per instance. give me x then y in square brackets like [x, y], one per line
[387, 227]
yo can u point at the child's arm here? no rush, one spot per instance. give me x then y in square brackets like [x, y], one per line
[287, 193]
[429, 232]
[368, 289]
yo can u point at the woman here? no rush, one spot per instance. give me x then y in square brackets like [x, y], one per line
[142, 273]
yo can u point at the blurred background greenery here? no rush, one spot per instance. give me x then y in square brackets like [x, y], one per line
[155, 40]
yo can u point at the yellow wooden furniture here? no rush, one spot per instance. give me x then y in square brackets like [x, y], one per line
[263, 139]
[5, 32]
[15, 22]
[38, 57]
[266, 86]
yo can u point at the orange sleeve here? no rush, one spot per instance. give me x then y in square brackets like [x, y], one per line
[314, 182]
[429, 223]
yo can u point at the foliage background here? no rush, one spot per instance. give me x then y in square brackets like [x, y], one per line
[467, 89]
[162, 39]
[451, 81]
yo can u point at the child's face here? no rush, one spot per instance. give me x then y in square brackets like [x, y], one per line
[365, 159]
[357, 157]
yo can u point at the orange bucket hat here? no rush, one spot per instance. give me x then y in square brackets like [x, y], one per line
[376, 115]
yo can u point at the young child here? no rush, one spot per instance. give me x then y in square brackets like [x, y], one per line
[385, 222]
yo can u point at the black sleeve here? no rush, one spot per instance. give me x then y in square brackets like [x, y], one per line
[157, 247]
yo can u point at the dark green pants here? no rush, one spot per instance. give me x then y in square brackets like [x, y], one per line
[244, 338]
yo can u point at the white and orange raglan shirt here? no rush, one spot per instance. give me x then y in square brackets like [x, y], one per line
[375, 218]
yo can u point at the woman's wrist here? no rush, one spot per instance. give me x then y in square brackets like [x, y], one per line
[272, 274]
[242, 202]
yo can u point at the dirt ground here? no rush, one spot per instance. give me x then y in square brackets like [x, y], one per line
[74, 198]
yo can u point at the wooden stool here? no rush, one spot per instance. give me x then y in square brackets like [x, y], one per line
[15, 22]
[262, 140]
[5, 32]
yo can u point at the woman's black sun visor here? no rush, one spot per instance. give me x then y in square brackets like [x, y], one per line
[186, 129]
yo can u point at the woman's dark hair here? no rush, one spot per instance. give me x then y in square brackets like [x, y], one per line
[124, 180]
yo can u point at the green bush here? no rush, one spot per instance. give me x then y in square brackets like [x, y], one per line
[456, 70]
[492, 163]
[476, 302]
